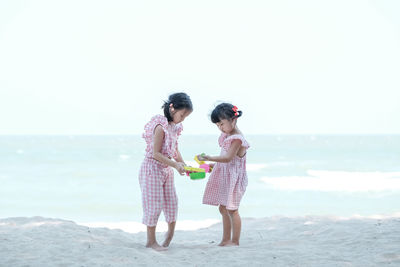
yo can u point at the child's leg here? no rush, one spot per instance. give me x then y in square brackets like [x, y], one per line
[151, 239]
[152, 198]
[236, 226]
[169, 235]
[170, 206]
[226, 223]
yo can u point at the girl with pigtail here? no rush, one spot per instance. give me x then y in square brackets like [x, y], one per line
[156, 176]
[228, 180]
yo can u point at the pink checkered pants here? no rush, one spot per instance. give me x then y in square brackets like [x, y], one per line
[158, 192]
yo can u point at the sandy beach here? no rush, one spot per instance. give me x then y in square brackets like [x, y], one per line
[271, 241]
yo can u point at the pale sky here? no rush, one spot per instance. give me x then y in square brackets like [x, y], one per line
[292, 67]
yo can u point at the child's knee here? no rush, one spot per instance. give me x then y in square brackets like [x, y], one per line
[222, 210]
[233, 212]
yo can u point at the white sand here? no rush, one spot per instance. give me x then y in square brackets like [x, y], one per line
[274, 241]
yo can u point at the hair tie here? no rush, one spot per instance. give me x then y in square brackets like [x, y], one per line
[235, 109]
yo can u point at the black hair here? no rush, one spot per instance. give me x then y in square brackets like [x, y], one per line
[178, 101]
[224, 111]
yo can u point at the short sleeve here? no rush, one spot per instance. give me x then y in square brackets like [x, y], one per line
[151, 125]
[228, 141]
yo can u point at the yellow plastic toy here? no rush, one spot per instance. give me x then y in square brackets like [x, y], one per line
[198, 173]
[200, 162]
[192, 169]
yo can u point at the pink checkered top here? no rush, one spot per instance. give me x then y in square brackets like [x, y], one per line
[171, 134]
[228, 181]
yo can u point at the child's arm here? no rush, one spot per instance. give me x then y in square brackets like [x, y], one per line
[232, 152]
[157, 155]
[179, 157]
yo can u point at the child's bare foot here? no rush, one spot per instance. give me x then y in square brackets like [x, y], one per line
[228, 243]
[156, 247]
[224, 243]
[166, 242]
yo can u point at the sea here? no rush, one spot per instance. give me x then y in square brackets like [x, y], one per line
[94, 178]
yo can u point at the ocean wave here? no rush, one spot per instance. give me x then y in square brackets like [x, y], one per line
[255, 166]
[329, 181]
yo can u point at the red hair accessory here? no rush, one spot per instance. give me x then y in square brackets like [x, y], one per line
[235, 109]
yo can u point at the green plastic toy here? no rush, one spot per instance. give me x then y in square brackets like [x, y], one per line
[197, 175]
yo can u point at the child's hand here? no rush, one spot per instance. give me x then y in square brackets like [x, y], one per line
[179, 166]
[203, 157]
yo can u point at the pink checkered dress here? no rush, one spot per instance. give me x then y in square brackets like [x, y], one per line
[157, 179]
[228, 181]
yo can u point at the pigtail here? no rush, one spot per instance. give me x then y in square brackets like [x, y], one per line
[167, 113]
